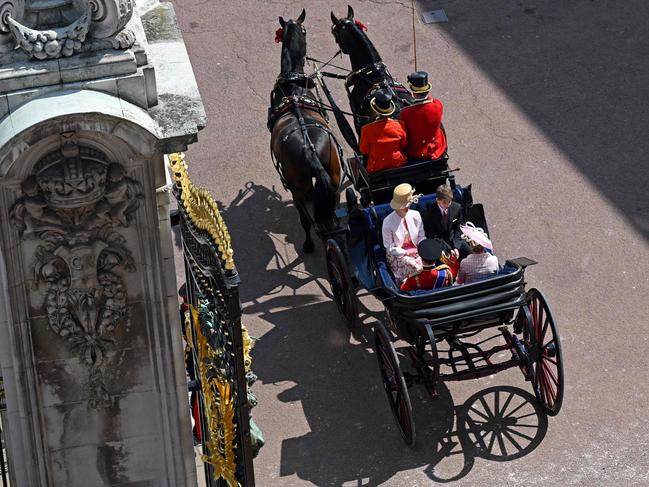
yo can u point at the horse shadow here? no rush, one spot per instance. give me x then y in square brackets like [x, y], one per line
[353, 438]
[262, 227]
[262, 252]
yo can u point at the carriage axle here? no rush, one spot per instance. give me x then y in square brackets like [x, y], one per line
[465, 366]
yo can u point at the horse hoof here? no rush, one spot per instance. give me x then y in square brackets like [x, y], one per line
[308, 247]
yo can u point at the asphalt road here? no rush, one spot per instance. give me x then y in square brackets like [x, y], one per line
[545, 110]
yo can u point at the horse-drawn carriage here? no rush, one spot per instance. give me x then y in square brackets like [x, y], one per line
[443, 328]
[457, 317]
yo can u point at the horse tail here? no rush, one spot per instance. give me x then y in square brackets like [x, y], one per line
[324, 200]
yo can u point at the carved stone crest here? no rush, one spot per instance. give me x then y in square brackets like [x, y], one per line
[73, 205]
[101, 19]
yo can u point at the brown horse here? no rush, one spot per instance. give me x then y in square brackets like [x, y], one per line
[301, 142]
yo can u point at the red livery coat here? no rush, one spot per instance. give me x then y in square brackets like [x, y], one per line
[422, 122]
[433, 278]
[383, 141]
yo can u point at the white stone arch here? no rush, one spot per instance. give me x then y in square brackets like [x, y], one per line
[110, 124]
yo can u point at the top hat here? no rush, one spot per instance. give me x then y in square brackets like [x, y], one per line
[382, 103]
[430, 249]
[402, 196]
[418, 82]
[475, 235]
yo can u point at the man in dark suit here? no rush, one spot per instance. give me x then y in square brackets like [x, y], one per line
[443, 219]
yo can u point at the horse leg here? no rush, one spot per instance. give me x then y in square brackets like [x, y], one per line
[305, 220]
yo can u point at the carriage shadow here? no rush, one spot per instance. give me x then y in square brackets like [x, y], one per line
[352, 438]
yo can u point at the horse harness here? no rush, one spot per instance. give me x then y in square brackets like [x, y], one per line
[296, 104]
[386, 83]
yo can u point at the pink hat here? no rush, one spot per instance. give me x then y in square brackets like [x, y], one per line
[476, 235]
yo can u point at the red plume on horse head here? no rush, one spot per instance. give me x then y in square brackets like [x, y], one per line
[279, 33]
[350, 16]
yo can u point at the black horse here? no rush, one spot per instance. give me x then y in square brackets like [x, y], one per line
[301, 141]
[369, 73]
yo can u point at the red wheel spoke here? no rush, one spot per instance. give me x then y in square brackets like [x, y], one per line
[545, 325]
[550, 373]
[550, 359]
[550, 391]
[403, 409]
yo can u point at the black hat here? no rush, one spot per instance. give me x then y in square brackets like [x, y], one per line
[382, 103]
[430, 249]
[419, 82]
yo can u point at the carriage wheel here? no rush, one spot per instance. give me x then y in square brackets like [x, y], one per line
[525, 325]
[394, 383]
[547, 376]
[341, 283]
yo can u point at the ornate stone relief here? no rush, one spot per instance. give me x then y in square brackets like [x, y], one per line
[101, 19]
[9, 9]
[108, 16]
[52, 43]
[73, 205]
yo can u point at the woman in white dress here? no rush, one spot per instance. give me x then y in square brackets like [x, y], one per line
[402, 231]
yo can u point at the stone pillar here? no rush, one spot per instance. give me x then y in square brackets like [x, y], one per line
[93, 94]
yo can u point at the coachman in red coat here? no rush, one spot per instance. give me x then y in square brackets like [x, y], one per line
[383, 141]
[422, 121]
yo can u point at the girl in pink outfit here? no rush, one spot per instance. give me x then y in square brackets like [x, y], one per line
[479, 263]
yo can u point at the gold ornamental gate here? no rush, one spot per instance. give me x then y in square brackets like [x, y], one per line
[218, 353]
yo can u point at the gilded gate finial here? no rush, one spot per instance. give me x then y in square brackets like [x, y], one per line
[202, 209]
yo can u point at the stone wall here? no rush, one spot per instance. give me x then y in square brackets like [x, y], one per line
[90, 343]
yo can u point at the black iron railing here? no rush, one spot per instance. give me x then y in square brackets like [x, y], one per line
[219, 346]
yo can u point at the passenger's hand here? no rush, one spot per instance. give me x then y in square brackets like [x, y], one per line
[397, 251]
[455, 253]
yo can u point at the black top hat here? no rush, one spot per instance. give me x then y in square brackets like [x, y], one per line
[382, 103]
[430, 249]
[419, 82]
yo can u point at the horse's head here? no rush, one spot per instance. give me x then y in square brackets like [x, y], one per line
[352, 40]
[342, 29]
[293, 38]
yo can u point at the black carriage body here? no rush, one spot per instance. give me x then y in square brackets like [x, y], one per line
[453, 310]
[376, 188]
[425, 318]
